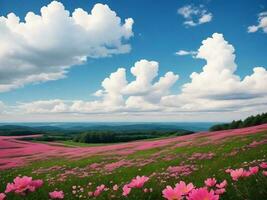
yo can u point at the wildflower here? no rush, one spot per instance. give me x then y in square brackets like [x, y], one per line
[183, 188]
[263, 165]
[115, 187]
[222, 184]
[202, 194]
[264, 173]
[236, 174]
[220, 191]
[2, 196]
[210, 182]
[254, 170]
[56, 195]
[172, 193]
[99, 189]
[126, 190]
[138, 182]
[90, 194]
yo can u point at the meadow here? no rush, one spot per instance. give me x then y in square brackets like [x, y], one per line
[227, 164]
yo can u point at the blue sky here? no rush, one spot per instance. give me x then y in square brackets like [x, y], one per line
[159, 32]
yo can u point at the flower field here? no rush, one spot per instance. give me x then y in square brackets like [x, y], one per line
[203, 166]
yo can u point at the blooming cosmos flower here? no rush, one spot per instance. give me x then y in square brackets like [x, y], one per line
[2, 196]
[220, 191]
[99, 190]
[115, 187]
[254, 170]
[222, 184]
[138, 182]
[264, 173]
[22, 185]
[56, 195]
[126, 190]
[210, 182]
[202, 194]
[228, 170]
[172, 193]
[263, 165]
[183, 188]
[236, 174]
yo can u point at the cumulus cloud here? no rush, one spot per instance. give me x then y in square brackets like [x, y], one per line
[262, 23]
[43, 47]
[195, 15]
[216, 88]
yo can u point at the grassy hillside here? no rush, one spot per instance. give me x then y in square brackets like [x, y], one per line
[192, 159]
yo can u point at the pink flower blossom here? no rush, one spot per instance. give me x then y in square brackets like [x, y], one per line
[138, 182]
[222, 184]
[183, 188]
[22, 185]
[202, 194]
[90, 193]
[228, 170]
[246, 173]
[263, 165]
[264, 173]
[236, 174]
[254, 170]
[115, 187]
[172, 193]
[210, 182]
[56, 195]
[220, 191]
[99, 190]
[126, 190]
[2, 196]
[146, 190]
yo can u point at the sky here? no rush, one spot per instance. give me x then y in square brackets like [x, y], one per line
[115, 60]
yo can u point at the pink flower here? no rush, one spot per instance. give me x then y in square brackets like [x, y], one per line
[99, 190]
[222, 184]
[246, 173]
[264, 173]
[263, 165]
[115, 187]
[220, 191]
[138, 182]
[2, 196]
[202, 194]
[210, 182]
[228, 170]
[254, 170]
[172, 193]
[56, 195]
[126, 190]
[183, 188]
[236, 174]
[90, 194]
[146, 190]
[22, 185]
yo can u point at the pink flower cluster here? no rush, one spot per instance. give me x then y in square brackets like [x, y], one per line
[181, 191]
[56, 195]
[236, 174]
[137, 182]
[23, 185]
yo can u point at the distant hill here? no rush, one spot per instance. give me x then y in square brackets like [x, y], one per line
[249, 121]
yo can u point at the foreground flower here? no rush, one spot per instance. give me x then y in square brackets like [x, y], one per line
[172, 193]
[210, 182]
[236, 174]
[254, 170]
[99, 190]
[56, 195]
[222, 184]
[22, 185]
[138, 182]
[126, 190]
[220, 191]
[263, 165]
[202, 194]
[2, 196]
[183, 188]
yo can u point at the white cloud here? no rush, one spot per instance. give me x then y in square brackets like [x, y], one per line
[45, 46]
[262, 23]
[215, 89]
[195, 15]
[186, 53]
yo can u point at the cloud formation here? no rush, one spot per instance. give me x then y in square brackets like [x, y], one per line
[186, 53]
[45, 46]
[194, 15]
[217, 88]
[262, 23]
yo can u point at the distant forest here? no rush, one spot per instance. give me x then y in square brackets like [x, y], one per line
[249, 121]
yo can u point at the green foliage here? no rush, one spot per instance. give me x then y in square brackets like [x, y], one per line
[250, 121]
